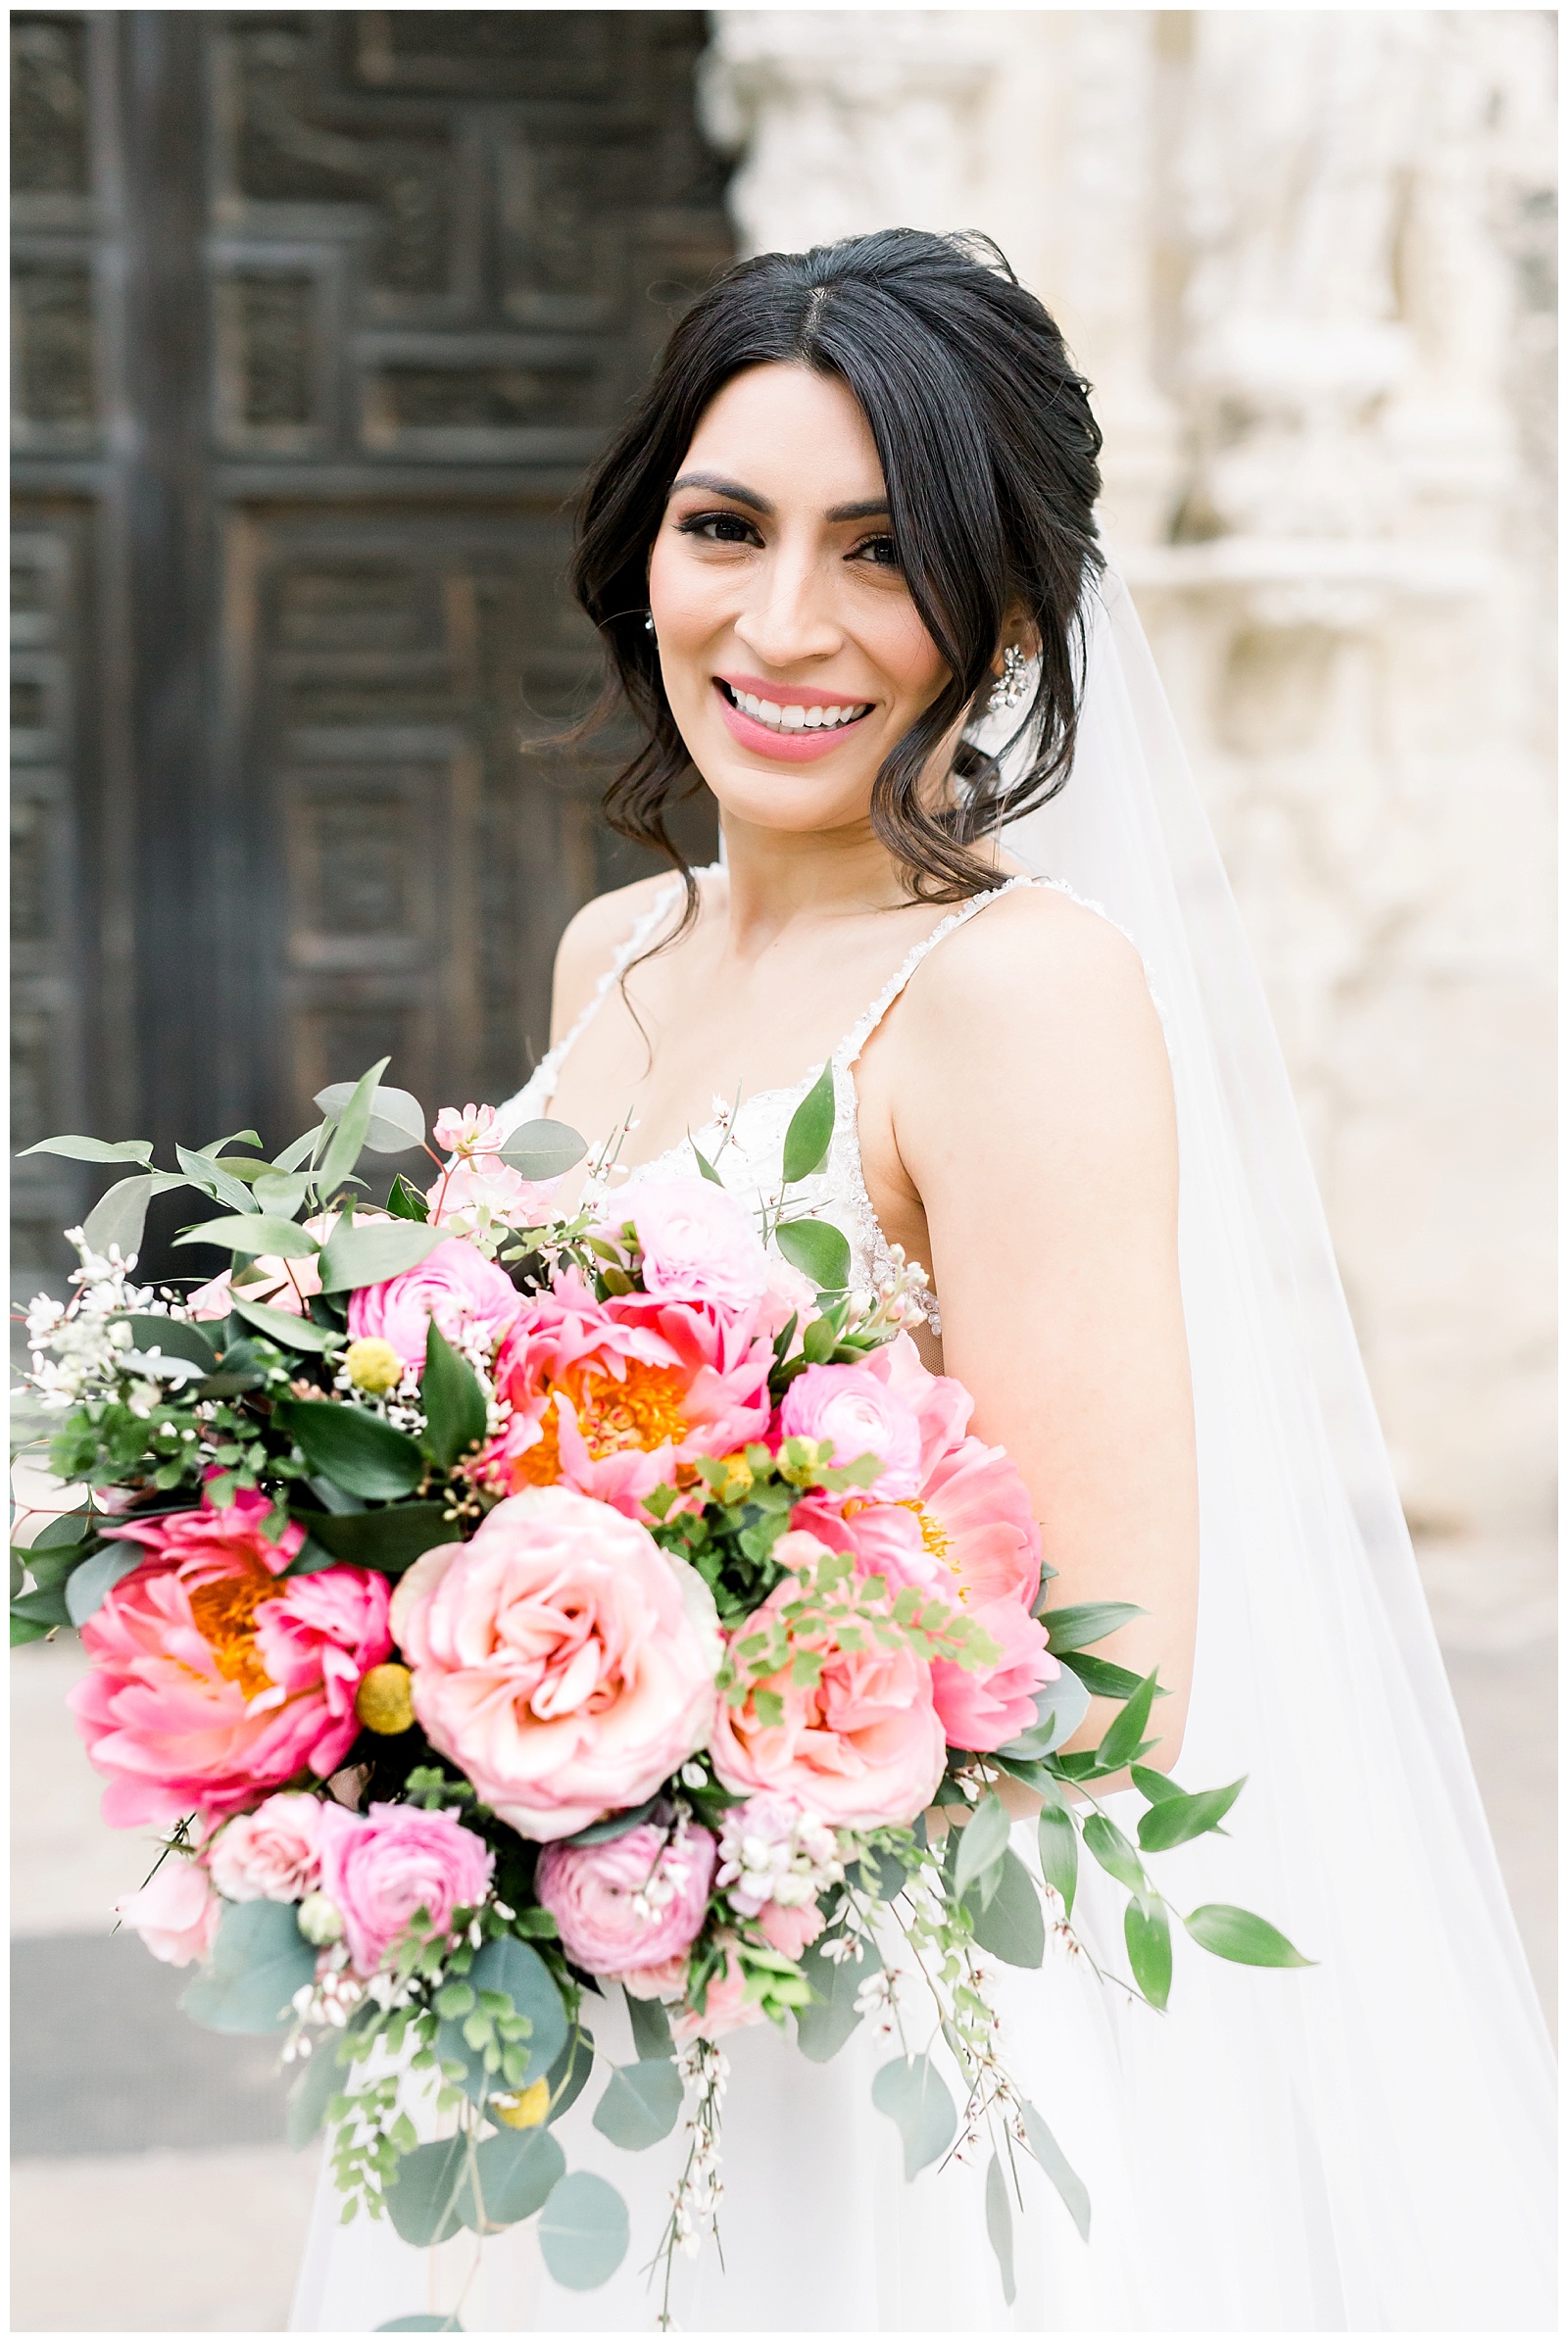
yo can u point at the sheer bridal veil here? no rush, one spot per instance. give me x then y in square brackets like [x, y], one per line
[1376, 2134]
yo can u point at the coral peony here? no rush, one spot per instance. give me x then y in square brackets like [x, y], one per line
[725, 2008]
[632, 1903]
[698, 1244]
[858, 1413]
[560, 1658]
[610, 1397]
[858, 1748]
[213, 1675]
[380, 1866]
[272, 1855]
[470, 1299]
[175, 1914]
[985, 1707]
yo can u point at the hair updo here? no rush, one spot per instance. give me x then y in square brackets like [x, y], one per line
[987, 448]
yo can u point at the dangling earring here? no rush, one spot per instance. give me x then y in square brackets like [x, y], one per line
[648, 626]
[1010, 686]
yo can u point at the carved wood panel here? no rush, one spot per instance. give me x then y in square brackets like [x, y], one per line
[318, 317]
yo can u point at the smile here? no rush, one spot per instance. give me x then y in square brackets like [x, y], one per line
[796, 730]
[792, 717]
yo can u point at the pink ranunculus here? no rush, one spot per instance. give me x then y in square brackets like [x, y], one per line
[383, 1865]
[609, 1397]
[177, 1913]
[561, 1659]
[860, 1748]
[860, 1415]
[272, 1855]
[791, 1926]
[214, 1677]
[667, 1981]
[698, 1244]
[632, 1903]
[726, 2008]
[469, 1298]
[985, 1707]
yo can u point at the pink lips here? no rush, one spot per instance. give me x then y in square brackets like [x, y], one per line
[788, 748]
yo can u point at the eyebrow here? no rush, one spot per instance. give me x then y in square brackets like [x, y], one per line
[868, 509]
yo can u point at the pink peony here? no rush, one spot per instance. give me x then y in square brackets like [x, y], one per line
[213, 1676]
[726, 2008]
[860, 1748]
[272, 1855]
[698, 1244]
[175, 1914]
[611, 1396]
[791, 1926]
[985, 1707]
[856, 1411]
[561, 1659]
[632, 1903]
[380, 1866]
[469, 1298]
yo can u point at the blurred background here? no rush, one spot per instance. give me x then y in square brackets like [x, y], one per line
[318, 317]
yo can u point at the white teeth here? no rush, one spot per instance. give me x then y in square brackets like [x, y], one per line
[813, 717]
[795, 718]
[769, 711]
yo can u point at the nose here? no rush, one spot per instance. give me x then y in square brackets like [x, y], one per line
[789, 616]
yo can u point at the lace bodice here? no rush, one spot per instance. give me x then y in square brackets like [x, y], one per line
[747, 1148]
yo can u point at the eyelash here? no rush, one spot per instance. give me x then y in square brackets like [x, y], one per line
[698, 524]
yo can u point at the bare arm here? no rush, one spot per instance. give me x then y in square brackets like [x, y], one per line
[1037, 1124]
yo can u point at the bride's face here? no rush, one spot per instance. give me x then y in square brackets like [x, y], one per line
[793, 655]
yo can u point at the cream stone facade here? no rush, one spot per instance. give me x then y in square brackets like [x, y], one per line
[1305, 260]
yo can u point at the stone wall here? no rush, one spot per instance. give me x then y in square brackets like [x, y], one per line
[1305, 259]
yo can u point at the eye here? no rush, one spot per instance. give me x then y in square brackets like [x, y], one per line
[880, 552]
[718, 528]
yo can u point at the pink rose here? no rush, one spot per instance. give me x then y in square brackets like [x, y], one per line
[725, 2009]
[632, 1903]
[698, 1244]
[860, 1415]
[860, 1748]
[468, 1296]
[272, 1855]
[561, 1659]
[213, 1676]
[176, 1913]
[380, 1866]
[791, 1926]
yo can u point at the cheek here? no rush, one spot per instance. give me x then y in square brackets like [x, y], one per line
[688, 599]
[897, 638]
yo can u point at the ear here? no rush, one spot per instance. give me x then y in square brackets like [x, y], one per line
[1018, 633]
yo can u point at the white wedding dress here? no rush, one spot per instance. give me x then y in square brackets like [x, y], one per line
[1364, 2145]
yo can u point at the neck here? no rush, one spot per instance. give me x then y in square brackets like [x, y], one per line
[783, 878]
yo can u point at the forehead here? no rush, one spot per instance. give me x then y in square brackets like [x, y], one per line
[790, 433]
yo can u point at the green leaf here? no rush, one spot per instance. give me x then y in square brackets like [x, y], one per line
[27, 1630]
[1112, 1852]
[704, 1166]
[363, 1454]
[981, 1841]
[396, 1121]
[353, 1119]
[650, 2027]
[252, 1234]
[614, 1825]
[423, 2322]
[817, 1250]
[280, 1192]
[1081, 1623]
[583, 2232]
[543, 1150]
[641, 2104]
[999, 2225]
[280, 1325]
[406, 1203]
[452, 1401]
[504, 1965]
[259, 1963]
[318, 2082]
[878, 1873]
[1231, 1934]
[1061, 1707]
[43, 1609]
[1176, 1819]
[390, 1541]
[1102, 1678]
[119, 1216]
[214, 1181]
[94, 1150]
[1057, 2170]
[825, 2024]
[1012, 1925]
[177, 1337]
[371, 1252]
[810, 1131]
[65, 1529]
[1058, 1852]
[568, 2076]
[910, 2092]
[517, 2170]
[1147, 1927]
[300, 1149]
[424, 2199]
[1123, 1737]
[87, 1586]
[1157, 1787]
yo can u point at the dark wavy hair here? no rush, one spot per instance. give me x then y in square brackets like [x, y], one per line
[988, 450]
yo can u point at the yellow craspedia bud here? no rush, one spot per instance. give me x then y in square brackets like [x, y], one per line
[374, 1366]
[736, 1485]
[523, 2110]
[384, 1701]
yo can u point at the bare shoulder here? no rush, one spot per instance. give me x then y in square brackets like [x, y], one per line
[592, 938]
[1035, 960]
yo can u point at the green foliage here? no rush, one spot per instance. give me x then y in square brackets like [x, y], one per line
[369, 1251]
[259, 1963]
[177, 1337]
[544, 1150]
[1079, 1623]
[452, 1401]
[1011, 1924]
[999, 2225]
[353, 1121]
[1123, 1737]
[641, 2103]
[94, 1150]
[388, 1541]
[1103, 1679]
[650, 2027]
[1147, 1929]
[517, 2171]
[1112, 1852]
[355, 1449]
[1231, 1934]
[1061, 1707]
[406, 1202]
[583, 2232]
[424, 2200]
[1057, 2170]
[102, 1569]
[251, 1234]
[514, 1970]
[913, 2095]
[825, 2023]
[981, 1841]
[810, 1132]
[1058, 1852]
[118, 1218]
[568, 2076]
[818, 1250]
[1175, 1818]
[394, 1124]
[319, 2081]
[278, 1325]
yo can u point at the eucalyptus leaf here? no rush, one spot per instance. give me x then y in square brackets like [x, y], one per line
[1058, 1852]
[913, 2095]
[1061, 1707]
[87, 1586]
[650, 2027]
[355, 1449]
[504, 1965]
[455, 1413]
[371, 1252]
[1146, 1926]
[543, 1149]
[223, 1187]
[999, 2225]
[44, 1608]
[280, 1192]
[1057, 2170]
[94, 1150]
[641, 2103]
[424, 2196]
[517, 2170]
[1012, 1925]
[26, 1630]
[981, 1841]
[825, 2024]
[1112, 1852]
[1177, 1818]
[51, 1565]
[254, 1233]
[177, 1337]
[300, 1149]
[118, 1217]
[819, 1250]
[353, 1119]
[390, 1540]
[396, 1121]
[318, 2082]
[810, 1130]
[1231, 1934]
[568, 2076]
[584, 2230]
[1078, 1624]
[259, 1963]
[281, 1325]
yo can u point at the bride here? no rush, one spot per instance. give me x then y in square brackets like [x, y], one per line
[845, 561]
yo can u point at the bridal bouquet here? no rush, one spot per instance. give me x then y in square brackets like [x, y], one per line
[494, 1607]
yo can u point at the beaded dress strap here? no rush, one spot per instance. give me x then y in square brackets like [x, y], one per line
[548, 1070]
[859, 1034]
